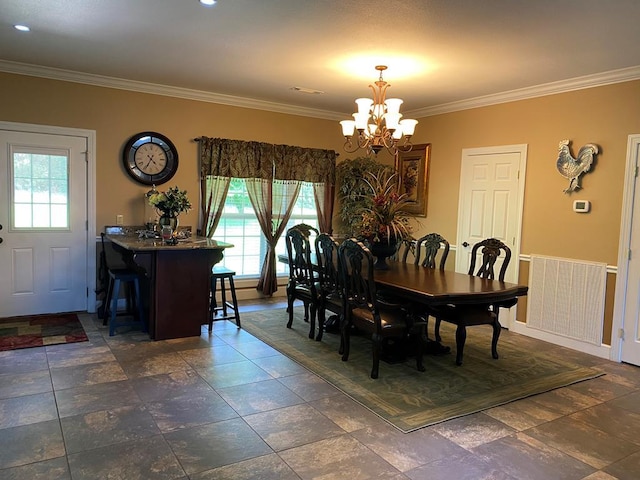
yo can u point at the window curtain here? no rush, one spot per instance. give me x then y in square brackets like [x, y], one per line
[282, 168]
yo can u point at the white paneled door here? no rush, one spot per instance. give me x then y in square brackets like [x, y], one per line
[490, 204]
[43, 214]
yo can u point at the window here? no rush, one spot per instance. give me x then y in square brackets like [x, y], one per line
[239, 226]
[40, 191]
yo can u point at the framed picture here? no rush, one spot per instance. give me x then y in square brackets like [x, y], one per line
[413, 170]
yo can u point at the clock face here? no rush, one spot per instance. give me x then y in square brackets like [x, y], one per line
[150, 158]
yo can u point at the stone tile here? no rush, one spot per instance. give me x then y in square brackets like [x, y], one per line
[292, 426]
[583, 442]
[55, 469]
[154, 365]
[617, 423]
[92, 398]
[407, 451]
[79, 356]
[465, 466]
[601, 476]
[106, 427]
[91, 374]
[190, 410]
[231, 334]
[625, 469]
[170, 385]
[255, 349]
[473, 430]
[630, 402]
[209, 446]
[190, 343]
[201, 358]
[603, 388]
[18, 384]
[268, 467]
[338, 458]
[564, 401]
[23, 361]
[146, 459]
[259, 397]
[17, 411]
[347, 413]
[309, 386]
[525, 458]
[280, 366]
[126, 350]
[31, 443]
[522, 414]
[233, 374]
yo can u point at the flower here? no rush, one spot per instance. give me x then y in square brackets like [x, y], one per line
[384, 218]
[170, 203]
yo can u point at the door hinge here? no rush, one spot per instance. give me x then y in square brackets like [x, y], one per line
[621, 333]
[636, 174]
[629, 254]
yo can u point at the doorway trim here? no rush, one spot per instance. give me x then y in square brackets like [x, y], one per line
[90, 136]
[624, 245]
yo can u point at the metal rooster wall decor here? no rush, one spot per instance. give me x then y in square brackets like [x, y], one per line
[571, 168]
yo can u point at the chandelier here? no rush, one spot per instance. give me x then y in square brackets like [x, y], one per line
[378, 122]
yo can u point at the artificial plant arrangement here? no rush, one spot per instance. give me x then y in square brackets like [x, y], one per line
[170, 203]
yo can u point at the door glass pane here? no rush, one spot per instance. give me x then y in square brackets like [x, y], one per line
[40, 190]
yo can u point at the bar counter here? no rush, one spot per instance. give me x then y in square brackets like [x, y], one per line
[176, 280]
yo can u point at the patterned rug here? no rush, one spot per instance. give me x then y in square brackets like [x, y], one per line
[409, 399]
[40, 330]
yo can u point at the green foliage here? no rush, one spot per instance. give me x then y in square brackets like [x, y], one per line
[170, 203]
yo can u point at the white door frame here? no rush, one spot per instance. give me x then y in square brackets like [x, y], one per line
[619, 307]
[90, 136]
[522, 150]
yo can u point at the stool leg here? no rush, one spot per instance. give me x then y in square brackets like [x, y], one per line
[212, 302]
[234, 299]
[223, 292]
[114, 306]
[107, 302]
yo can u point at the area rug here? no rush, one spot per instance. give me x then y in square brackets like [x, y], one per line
[40, 330]
[409, 399]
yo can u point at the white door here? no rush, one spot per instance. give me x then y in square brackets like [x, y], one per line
[628, 286]
[490, 205]
[43, 214]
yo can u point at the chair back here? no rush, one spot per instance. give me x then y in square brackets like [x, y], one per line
[307, 230]
[299, 259]
[431, 244]
[492, 248]
[356, 269]
[327, 268]
[405, 246]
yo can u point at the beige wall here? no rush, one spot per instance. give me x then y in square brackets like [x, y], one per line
[604, 115]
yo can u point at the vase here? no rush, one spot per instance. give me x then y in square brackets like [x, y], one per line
[383, 250]
[168, 221]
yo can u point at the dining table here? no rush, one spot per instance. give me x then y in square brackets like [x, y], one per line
[432, 286]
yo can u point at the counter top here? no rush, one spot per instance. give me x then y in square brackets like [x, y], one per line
[135, 243]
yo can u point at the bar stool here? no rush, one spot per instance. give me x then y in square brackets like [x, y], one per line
[117, 278]
[220, 273]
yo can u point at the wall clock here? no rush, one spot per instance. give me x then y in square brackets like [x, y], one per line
[150, 158]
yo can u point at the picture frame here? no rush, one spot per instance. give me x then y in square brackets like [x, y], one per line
[413, 172]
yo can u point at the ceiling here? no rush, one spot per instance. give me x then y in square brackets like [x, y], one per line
[442, 55]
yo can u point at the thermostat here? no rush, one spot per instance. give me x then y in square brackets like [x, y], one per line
[581, 206]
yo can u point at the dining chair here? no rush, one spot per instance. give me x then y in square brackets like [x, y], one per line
[330, 294]
[468, 315]
[302, 283]
[365, 313]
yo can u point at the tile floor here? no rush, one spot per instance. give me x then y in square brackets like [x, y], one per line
[227, 406]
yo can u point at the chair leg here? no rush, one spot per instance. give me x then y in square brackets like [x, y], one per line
[138, 301]
[106, 312]
[290, 300]
[437, 330]
[321, 319]
[422, 345]
[461, 337]
[494, 340]
[312, 321]
[345, 340]
[376, 347]
[114, 307]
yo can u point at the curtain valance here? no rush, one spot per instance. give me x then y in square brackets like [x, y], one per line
[240, 159]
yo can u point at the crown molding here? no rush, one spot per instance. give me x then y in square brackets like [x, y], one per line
[552, 88]
[157, 89]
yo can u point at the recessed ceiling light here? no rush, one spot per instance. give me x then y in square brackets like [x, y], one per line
[22, 28]
[208, 2]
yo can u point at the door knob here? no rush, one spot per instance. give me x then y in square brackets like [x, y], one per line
[465, 244]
